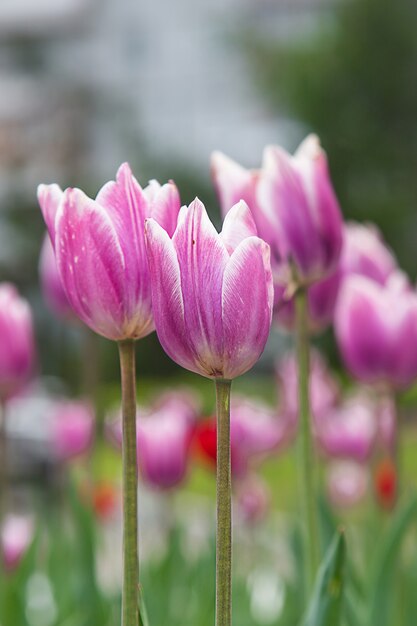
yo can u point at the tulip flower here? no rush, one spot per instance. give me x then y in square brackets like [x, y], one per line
[51, 283]
[101, 258]
[253, 500]
[72, 428]
[347, 483]
[17, 341]
[364, 252]
[376, 329]
[385, 483]
[212, 296]
[16, 534]
[349, 430]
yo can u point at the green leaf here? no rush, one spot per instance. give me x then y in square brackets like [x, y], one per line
[384, 571]
[325, 608]
[143, 614]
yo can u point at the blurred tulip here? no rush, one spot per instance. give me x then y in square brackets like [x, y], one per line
[17, 352]
[72, 429]
[349, 430]
[16, 534]
[385, 483]
[364, 252]
[164, 436]
[253, 500]
[255, 432]
[321, 302]
[347, 483]
[387, 425]
[51, 283]
[376, 329]
[212, 293]
[324, 389]
[294, 207]
[100, 250]
[105, 499]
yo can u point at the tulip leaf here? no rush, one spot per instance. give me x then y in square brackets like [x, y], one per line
[384, 571]
[325, 608]
[143, 614]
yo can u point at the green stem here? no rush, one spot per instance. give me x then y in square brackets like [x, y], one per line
[224, 507]
[130, 592]
[306, 456]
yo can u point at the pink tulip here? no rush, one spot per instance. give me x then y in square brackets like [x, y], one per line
[376, 329]
[100, 250]
[72, 428]
[364, 252]
[347, 483]
[253, 499]
[164, 435]
[294, 207]
[16, 534]
[324, 389]
[349, 430]
[51, 283]
[212, 293]
[17, 351]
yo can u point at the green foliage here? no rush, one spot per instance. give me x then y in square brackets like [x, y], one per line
[354, 82]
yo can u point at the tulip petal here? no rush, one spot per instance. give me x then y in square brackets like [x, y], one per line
[49, 197]
[237, 226]
[202, 257]
[247, 298]
[91, 263]
[232, 181]
[164, 204]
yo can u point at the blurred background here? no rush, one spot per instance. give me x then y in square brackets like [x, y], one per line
[86, 85]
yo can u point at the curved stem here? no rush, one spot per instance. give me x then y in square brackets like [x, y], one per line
[224, 507]
[130, 592]
[306, 456]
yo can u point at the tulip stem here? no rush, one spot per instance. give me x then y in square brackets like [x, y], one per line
[130, 591]
[224, 507]
[305, 445]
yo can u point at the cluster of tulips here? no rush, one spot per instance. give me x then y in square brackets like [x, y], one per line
[133, 260]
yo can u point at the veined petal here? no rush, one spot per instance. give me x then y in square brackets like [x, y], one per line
[232, 181]
[202, 257]
[91, 263]
[247, 299]
[49, 197]
[237, 226]
[164, 204]
[402, 361]
[167, 298]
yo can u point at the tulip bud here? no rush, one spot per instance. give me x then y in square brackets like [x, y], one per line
[16, 534]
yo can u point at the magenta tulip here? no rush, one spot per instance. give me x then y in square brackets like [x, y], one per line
[17, 341]
[212, 293]
[347, 483]
[364, 252]
[376, 329]
[100, 250]
[52, 289]
[71, 429]
[294, 207]
[349, 430]
[16, 534]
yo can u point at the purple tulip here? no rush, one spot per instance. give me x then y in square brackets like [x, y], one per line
[347, 483]
[16, 534]
[17, 341]
[364, 252]
[71, 429]
[321, 302]
[294, 207]
[100, 250]
[51, 283]
[164, 435]
[376, 329]
[349, 430]
[324, 389]
[212, 293]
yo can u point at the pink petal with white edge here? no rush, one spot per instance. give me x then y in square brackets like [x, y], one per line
[237, 226]
[247, 300]
[167, 300]
[49, 198]
[164, 205]
[91, 264]
[232, 181]
[202, 257]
